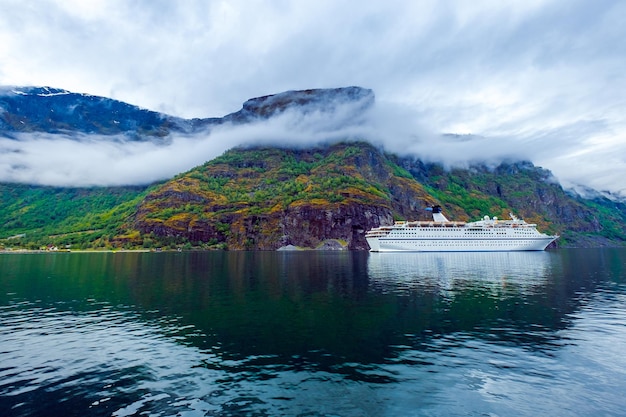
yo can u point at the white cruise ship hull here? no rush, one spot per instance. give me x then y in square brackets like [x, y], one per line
[458, 245]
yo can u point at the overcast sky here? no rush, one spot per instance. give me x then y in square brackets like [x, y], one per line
[542, 78]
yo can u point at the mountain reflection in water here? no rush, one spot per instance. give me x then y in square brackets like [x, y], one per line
[310, 333]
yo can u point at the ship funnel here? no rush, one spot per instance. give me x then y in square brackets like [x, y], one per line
[437, 215]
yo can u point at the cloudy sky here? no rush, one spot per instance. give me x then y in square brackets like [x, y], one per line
[544, 79]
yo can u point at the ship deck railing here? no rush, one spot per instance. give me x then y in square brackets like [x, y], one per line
[481, 224]
[430, 224]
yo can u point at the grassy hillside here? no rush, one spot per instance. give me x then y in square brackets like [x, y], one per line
[249, 198]
[32, 216]
[267, 198]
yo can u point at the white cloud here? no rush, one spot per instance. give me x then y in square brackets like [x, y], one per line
[87, 160]
[60, 160]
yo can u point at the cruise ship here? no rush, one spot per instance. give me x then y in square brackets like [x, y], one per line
[443, 235]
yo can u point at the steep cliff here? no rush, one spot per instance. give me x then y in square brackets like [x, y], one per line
[270, 198]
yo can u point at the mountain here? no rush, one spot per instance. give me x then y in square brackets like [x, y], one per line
[268, 198]
[327, 101]
[271, 198]
[55, 111]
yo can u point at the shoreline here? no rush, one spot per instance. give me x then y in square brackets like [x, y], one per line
[23, 251]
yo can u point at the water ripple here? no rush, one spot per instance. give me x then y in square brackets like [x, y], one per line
[226, 344]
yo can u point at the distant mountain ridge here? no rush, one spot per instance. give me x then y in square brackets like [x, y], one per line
[52, 110]
[57, 111]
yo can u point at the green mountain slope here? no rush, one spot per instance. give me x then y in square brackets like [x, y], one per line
[267, 198]
[528, 191]
[32, 216]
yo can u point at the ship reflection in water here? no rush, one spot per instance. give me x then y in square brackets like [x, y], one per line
[399, 272]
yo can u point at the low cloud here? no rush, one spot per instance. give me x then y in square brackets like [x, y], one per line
[580, 156]
[61, 160]
[96, 160]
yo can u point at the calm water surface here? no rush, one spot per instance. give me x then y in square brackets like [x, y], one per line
[313, 334]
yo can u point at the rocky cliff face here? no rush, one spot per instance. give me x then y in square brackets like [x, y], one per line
[306, 101]
[341, 106]
[271, 198]
[302, 226]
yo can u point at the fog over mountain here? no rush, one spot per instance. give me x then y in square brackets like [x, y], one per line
[73, 157]
[80, 156]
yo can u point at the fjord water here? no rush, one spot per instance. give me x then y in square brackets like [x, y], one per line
[313, 334]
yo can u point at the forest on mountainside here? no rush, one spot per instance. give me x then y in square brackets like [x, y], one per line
[265, 198]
